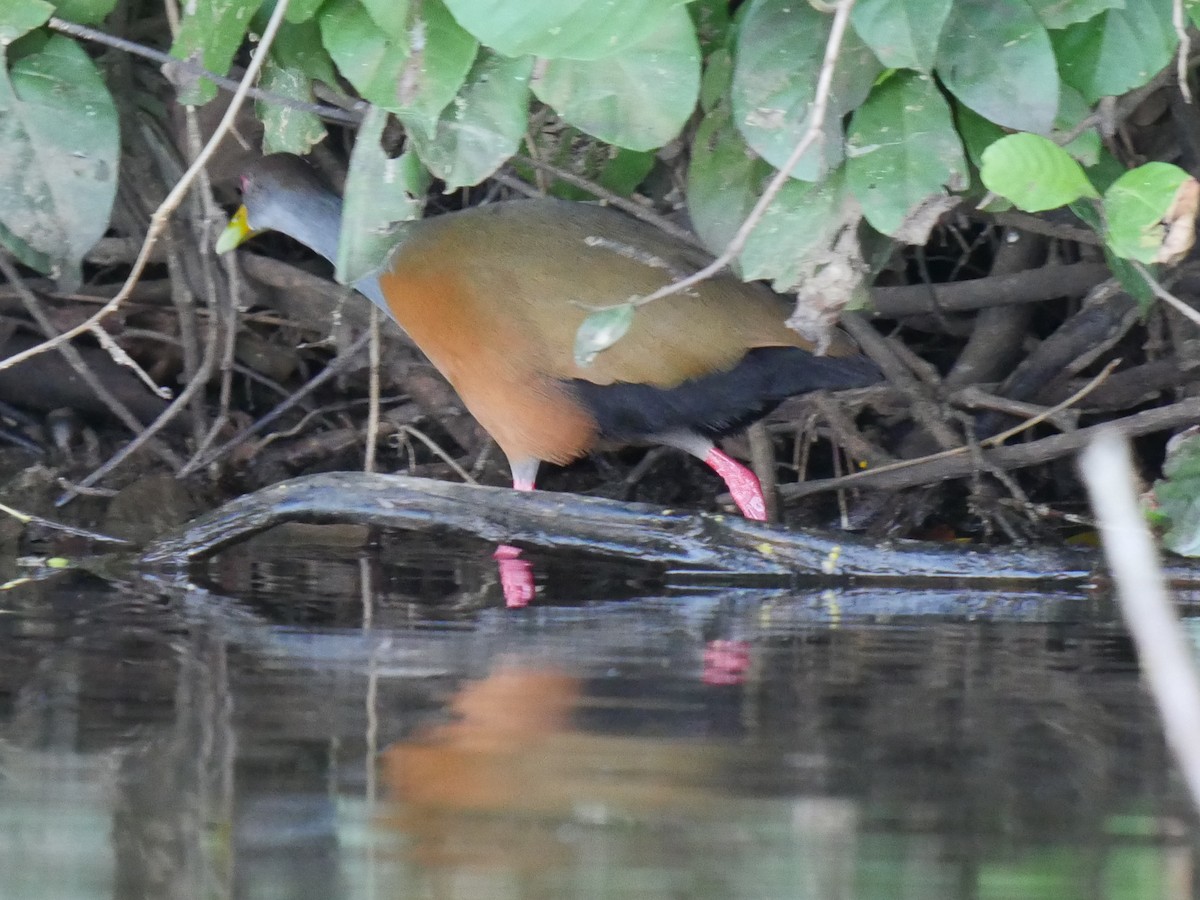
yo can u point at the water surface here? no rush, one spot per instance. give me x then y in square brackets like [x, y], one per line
[315, 717]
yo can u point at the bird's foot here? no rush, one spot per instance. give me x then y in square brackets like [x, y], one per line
[516, 576]
[742, 483]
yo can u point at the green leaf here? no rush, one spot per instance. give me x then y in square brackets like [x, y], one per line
[211, 33]
[1073, 109]
[716, 79]
[1088, 212]
[1131, 280]
[903, 33]
[1061, 13]
[995, 56]
[1134, 207]
[600, 330]
[564, 29]
[83, 12]
[18, 17]
[382, 195]
[1129, 277]
[390, 15]
[438, 66]
[902, 151]
[412, 67]
[286, 129]
[370, 58]
[482, 127]
[977, 132]
[626, 170]
[639, 98]
[725, 180]
[299, 47]
[781, 44]
[1034, 173]
[1105, 170]
[1176, 495]
[297, 59]
[711, 18]
[1117, 51]
[300, 10]
[60, 150]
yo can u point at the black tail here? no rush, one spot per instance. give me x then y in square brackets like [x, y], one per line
[723, 402]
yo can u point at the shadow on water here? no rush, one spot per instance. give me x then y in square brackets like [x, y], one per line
[313, 717]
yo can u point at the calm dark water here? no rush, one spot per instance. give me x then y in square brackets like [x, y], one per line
[301, 721]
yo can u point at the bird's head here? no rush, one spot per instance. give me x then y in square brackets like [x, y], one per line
[276, 191]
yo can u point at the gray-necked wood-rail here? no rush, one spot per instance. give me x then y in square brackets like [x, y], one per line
[493, 295]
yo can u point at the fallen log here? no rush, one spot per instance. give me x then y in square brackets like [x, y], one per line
[686, 545]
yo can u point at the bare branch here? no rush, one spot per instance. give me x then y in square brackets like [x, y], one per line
[158, 221]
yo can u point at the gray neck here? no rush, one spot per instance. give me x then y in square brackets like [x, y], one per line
[316, 221]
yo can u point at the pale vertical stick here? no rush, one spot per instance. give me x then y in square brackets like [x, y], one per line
[373, 394]
[1166, 657]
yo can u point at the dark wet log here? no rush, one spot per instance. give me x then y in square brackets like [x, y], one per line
[1059, 224]
[1126, 388]
[1034, 285]
[1073, 346]
[996, 340]
[46, 382]
[688, 545]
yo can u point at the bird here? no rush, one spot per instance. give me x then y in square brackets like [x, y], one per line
[494, 294]
[489, 789]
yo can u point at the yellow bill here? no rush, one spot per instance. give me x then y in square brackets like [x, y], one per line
[237, 232]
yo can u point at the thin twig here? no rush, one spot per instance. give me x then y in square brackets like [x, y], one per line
[158, 220]
[974, 398]
[516, 184]
[993, 441]
[1180, 414]
[1128, 103]
[332, 113]
[532, 154]
[344, 359]
[198, 379]
[437, 451]
[1166, 296]
[183, 299]
[1179, 20]
[632, 207]
[372, 391]
[30, 519]
[76, 362]
[1049, 412]
[812, 134]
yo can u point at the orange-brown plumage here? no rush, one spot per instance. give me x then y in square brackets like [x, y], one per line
[500, 377]
[494, 296]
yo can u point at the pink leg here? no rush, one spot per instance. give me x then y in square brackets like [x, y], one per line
[516, 574]
[726, 662]
[742, 483]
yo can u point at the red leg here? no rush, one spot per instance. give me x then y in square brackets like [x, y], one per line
[516, 574]
[726, 662]
[742, 483]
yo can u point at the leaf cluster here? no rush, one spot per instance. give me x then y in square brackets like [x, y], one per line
[924, 91]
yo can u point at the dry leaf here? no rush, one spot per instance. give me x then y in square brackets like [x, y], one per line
[1180, 223]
